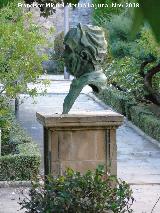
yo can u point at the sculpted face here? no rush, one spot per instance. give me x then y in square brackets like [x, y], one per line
[72, 51]
[70, 59]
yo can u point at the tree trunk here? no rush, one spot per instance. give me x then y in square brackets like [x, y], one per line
[154, 95]
[16, 106]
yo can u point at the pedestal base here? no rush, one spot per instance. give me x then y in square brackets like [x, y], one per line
[80, 141]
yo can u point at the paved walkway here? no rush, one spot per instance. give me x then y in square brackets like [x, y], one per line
[138, 158]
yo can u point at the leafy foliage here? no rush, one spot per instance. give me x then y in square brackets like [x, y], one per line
[57, 55]
[130, 61]
[59, 46]
[101, 13]
[146, 11]
[19, 60]
[123, 74]
[128, 56]
[118, 34]
[119, 100]
[91, 192]
[6, 119]
[20, 158]
[12, 134]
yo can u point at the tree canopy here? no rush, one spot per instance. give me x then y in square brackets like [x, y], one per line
[20, 62]
[135, 66]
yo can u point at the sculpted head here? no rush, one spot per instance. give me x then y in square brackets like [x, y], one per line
[85, 48]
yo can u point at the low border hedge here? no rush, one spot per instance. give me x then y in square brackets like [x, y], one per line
[140, 115]
[22, 166]
[117, 99]
[146, 120]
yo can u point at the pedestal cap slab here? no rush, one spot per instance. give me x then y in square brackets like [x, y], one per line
[81, 119]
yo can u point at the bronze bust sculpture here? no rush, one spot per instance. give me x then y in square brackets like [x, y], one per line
[85, 48]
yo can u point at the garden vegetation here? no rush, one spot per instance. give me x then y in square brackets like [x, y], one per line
[132, 68]
[76, 193]
[20, 64]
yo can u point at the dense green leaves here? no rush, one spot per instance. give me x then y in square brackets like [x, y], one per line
[104, 13]
[12, 134]
[6, 120]
[92, 192]
[144, 11]
[20, 64]
[20, 158]
[57, 55]
[4, 3]
[146, 117]
[125, 71]
[19, 59]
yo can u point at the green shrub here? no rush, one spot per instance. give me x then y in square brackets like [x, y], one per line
[20, 158]
[22, 166]
[16, 136]
[123, 72]
[139, 114]
[104, 13]
[76, 193]
[20, 64]
[57, 55]
[12, 134]
[142, 117]
[132, 58]
[117, 99]
[119, 34]
[6, 119]
[58, 45]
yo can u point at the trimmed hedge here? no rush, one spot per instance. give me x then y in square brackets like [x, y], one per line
[117, 99]
[15, 136]
[22, 166]
[20, 157]
[146, 120]
[140, 115]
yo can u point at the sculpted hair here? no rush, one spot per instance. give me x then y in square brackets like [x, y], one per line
[89, 39]
[93, 39]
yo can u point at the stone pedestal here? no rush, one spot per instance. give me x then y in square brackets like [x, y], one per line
[80, 141]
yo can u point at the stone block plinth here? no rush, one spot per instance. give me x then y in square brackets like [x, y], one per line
[81, 141]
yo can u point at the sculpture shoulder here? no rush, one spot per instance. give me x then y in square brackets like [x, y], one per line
[94, 79]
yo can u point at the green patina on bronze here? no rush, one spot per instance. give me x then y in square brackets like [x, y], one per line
[85, 49]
